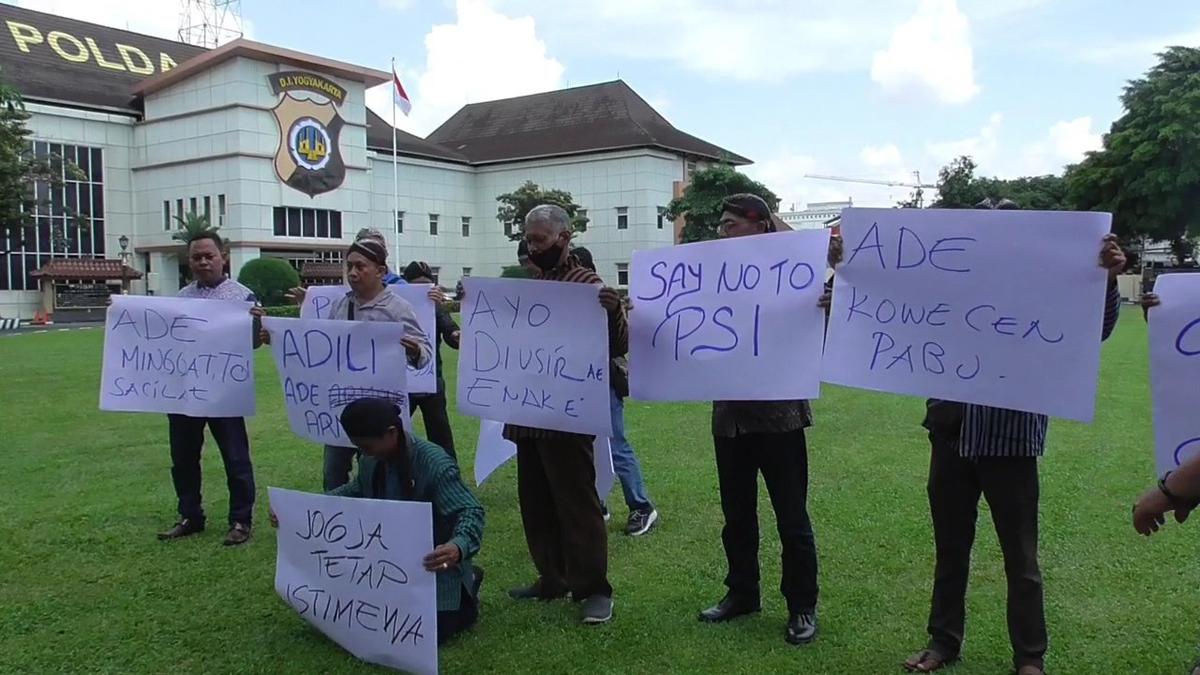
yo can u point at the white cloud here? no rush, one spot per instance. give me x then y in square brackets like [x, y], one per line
[483, 56]
[981, 147]
[929, 56]
[1065, 143]
[785, 174]
[1136, 50]
[159, 18]
[882, 156]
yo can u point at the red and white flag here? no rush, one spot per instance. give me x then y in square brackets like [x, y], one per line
[399, 96]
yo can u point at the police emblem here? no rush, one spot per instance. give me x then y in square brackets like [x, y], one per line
[309, 158]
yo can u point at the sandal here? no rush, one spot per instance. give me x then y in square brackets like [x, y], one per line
[928, 660]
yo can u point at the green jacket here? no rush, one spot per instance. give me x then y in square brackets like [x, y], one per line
[428, 474]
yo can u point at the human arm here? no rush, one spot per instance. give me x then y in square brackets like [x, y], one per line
[447, 327]
[618, 322]
[415, 341]
[1112, 258]
[1149, 300]
[1179, 491]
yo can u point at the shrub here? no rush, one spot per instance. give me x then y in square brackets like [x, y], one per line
[269, 278]
[284, 311]
[515, 272]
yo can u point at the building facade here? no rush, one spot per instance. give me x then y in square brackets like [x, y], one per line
[279, 150]
[815, 215]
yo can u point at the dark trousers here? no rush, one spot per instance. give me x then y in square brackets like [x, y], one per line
[435, 418]
[1010, 485]
[187, 439]
[452, 622]
[783, 460]
[564, 528]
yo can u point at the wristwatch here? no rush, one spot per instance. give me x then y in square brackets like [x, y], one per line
[1175, 500]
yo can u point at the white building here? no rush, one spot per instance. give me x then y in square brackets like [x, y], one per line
[279, 149]
[815, 215]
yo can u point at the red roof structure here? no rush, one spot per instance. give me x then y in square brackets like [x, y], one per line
[87, 269]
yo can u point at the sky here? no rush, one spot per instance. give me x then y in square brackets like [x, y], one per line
[868, 89]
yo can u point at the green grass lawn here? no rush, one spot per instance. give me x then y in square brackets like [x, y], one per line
[85, 586]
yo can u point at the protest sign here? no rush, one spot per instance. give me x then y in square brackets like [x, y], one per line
[325, 365]
[1175, 369]
[178, 355]
[1000, 308]
[493, 451]
[535, 353]
[352, 568]
[318, 304]
[729, 320]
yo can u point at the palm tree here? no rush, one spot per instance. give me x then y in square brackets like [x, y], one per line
[191, 225]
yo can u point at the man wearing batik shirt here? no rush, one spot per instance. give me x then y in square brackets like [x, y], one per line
[978, 449]
[206, 259]
[556, 477]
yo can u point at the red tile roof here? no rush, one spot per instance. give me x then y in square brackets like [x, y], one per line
[90, 269]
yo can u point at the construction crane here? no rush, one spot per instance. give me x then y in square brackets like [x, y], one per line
[917, 186]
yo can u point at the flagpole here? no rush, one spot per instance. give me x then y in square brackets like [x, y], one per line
[395, 173]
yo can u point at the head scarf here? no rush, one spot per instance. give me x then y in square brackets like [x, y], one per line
[371, 250]
[751, 207]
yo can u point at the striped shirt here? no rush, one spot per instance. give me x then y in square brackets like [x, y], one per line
[998, 432]
[618, 337]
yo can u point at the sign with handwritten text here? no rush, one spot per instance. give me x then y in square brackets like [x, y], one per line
[352, 568]
[1000, 308]
[318, 304]
[493, 451]
[1175, 369]
[178, 355]
[325, 365]
[535, 353]
[729, 320]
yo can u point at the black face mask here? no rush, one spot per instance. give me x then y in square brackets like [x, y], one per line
[548, 259]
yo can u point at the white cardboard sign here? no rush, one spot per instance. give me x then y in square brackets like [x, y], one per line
[1175, 369]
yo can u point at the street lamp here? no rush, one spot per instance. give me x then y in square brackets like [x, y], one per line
[123, 241]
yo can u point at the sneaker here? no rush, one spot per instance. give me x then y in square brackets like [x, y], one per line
[184, 528]
[597, 609]
[641, 521]
[238, 534]
[604, 511]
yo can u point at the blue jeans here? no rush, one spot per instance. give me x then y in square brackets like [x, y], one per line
[625, 463]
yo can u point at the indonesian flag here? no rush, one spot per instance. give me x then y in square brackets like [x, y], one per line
[399, 96]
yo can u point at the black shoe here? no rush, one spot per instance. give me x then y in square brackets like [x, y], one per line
[730, 607]
[640, 522]
[534, 591]
[801, 628]
[597, 609]
[239, 533]
[184, 528]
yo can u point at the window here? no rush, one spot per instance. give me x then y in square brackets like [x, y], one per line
[52, 230]
[179, 208]
[466, 272]
[192, 204]
[466, 226]
[399, 222]
[166, 215]
[437, 272]
[290, 221]
[433, 224]
[622, 274]
[508, 228]
[622, 217]
[662, 216]
[208, 208]
[689, 168]
[220, 210]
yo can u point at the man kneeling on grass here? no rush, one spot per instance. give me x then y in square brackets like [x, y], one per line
[396, 465]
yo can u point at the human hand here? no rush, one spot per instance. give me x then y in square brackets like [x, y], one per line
[264, 336]
[258, 312]
[411, 346]
[296, 295]
[610, 300]
[825, 301]
[273, 518]
[437, 295]
[1148, 511]
[442, 558]
[835, 250]
[1150, 300]
[1112, 258]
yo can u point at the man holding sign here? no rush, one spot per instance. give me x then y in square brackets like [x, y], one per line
[206, 260]
[993, 452]
[433, 405]
[560, 511]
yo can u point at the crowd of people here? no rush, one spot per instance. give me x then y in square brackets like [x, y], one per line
[976, 451]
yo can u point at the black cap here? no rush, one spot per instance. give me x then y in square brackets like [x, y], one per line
[750, 207]
[371, 250]
[370, 418]
[417, 270]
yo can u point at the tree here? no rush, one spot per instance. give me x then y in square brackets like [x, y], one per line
[190, 225]
[514, 205]
[700, 204]
[21, 172]
[1148, 171]
[960, 188]
[269, 278]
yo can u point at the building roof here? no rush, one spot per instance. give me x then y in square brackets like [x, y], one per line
[406, 143]
[595, 118]
[261, 52]
[83, 64]
[87, 269]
